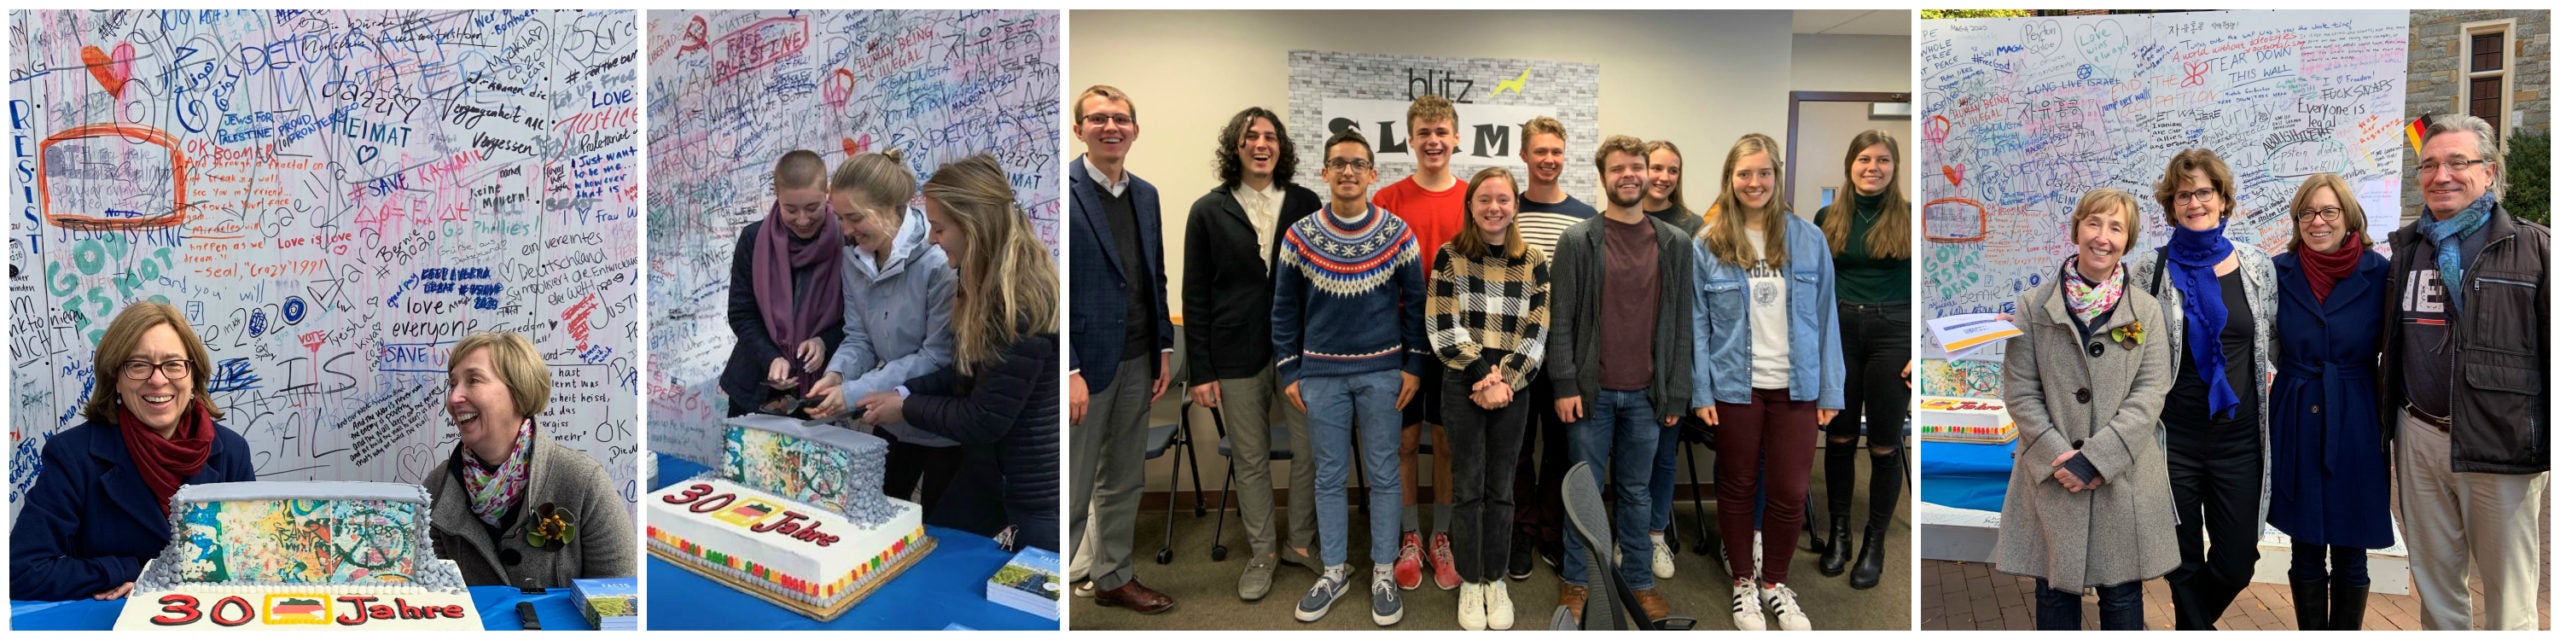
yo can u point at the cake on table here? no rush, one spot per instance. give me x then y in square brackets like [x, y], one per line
[299, 555]
[794, 516]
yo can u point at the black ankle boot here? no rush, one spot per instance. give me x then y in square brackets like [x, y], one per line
[2311, 604]
[2346, 608]
[1836, 558]
[1870, 561]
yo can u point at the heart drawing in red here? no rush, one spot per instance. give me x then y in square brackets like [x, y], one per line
[1954, 173]
[112, 71]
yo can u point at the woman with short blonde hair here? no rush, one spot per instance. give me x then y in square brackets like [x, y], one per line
[511, 506]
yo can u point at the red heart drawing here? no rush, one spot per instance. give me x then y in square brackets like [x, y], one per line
[112, 71]
[1936, 130]
[1955, 175]
[853, 148]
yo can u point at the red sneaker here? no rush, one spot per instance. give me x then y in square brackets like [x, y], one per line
[1409, 563]
[1444, 565]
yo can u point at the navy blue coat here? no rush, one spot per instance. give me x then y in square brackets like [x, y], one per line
[89, 522]
[2324, 430]
[1098, 295]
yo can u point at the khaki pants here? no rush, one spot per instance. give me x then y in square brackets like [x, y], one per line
[1248, 406]
[2456, 522]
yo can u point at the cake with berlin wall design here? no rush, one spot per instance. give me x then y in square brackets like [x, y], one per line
[299, 555]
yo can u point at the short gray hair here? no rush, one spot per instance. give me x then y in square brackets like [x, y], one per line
[2490, 148]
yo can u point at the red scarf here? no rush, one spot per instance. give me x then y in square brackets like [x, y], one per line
[167, 463]
[2324, 270]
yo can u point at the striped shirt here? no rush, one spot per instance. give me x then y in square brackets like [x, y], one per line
[1542, 223]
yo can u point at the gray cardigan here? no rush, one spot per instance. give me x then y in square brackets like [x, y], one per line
[1573, 343]
[2258, 280]
[605, 547]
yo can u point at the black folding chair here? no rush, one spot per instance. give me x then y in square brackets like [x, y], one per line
[1165, 438]
[1609, 607]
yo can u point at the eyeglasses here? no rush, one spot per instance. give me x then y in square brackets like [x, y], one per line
[1099, 119]
[139, 370]
[2198, 196]
[1339, 164]
[2429, 167]
[2325, 214]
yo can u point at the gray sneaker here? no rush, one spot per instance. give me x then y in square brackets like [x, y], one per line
[1256, 582]
[1384, 608]
[1319, 598]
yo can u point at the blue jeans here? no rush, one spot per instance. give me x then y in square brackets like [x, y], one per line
[2119, 607]
[1666, 459]
[1617, 433]
[1335, 405]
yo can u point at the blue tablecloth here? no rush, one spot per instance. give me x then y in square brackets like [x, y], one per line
[948, 587]
[558, 609]
[1968, 476]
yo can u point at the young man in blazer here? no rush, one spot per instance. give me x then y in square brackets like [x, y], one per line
[1227, 256]
[1121, 345]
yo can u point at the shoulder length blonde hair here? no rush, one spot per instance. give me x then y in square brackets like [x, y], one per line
[1724, 238]
[1008, 285]
[1891, 237]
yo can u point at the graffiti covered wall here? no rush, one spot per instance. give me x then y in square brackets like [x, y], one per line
[731, 91]
[332, 198]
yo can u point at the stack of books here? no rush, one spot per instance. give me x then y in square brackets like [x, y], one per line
[1029, 582]
[610, 604]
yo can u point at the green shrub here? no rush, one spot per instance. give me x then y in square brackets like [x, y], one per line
[2528, 194]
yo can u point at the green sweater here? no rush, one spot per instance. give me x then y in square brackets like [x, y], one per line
[1865, 279]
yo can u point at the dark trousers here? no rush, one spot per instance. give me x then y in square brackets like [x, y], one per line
[1775, 434]
[1485, 442]
[913, 466]
[2119, 608]
[2347, 564]
[1876, 342]
[1537, 482]
[2214, 478]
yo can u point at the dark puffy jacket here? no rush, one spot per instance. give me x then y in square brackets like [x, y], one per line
[1011, 405]
[2502, 340]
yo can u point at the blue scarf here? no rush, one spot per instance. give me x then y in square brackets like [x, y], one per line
[2448, 234]
[2190, 257]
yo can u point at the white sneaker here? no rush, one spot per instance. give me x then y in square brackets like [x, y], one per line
[1471, 606]
[1746, 607]
[1661, 558]
[1498, 615]
[1755, 555]
[1782, 601]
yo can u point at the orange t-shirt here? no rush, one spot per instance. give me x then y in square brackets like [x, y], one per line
[1434, 216]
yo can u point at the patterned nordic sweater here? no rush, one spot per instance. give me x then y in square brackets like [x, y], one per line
[1347, 297]
[1488, 313]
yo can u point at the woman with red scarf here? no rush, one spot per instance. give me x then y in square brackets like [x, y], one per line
[786, 297]
[100, 507]
[2332, 490]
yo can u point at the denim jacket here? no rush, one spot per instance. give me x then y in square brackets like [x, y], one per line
[1721, 367]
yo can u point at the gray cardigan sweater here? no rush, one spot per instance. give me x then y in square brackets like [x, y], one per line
[605, 547]
[1573, 343]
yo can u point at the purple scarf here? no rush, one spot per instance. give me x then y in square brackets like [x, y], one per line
[788, 319]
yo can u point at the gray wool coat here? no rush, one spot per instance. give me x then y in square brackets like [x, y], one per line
[606, 545]
[2258, 281]
[2107, 406]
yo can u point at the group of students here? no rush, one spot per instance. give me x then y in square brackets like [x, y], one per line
[937, 328]
[1487, 305]
[99, 508]
[2209, 389]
